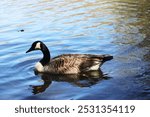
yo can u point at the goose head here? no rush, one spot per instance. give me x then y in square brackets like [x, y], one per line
[37, 45]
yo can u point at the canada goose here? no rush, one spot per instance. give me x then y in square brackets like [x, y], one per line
[67, 63]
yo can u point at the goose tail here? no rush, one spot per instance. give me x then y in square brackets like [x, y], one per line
[107, 58]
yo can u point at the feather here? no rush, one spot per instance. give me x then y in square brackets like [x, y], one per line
[75, 63]
[67, 63]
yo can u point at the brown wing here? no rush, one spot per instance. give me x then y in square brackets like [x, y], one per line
[66, 64]
[74, 63]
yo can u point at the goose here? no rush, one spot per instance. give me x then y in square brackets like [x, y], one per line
[67, 63]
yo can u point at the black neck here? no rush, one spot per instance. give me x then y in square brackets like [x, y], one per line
[46, 55]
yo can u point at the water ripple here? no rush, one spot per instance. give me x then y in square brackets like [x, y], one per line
[117, 27]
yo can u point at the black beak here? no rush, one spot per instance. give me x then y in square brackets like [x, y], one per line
[29, 50]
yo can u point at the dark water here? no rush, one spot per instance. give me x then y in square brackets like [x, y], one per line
[117, 27]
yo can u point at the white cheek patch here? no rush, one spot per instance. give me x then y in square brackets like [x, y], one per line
[38, 46]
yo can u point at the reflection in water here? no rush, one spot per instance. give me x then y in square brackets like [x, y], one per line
[117, 27]
[81, 80]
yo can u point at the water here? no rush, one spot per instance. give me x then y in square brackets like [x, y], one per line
[117, 27]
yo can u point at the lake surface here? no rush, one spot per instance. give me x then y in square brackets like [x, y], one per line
[117, 27]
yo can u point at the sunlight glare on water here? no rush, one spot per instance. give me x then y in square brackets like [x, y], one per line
[116, 27]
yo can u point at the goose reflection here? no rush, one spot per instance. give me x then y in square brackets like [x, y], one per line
[80, 80]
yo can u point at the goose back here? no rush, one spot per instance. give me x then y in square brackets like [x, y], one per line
[75, 63]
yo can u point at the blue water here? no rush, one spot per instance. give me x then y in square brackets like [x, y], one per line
[116, 27]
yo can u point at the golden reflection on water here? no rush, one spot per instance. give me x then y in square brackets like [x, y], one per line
[117, 27]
